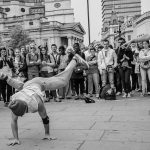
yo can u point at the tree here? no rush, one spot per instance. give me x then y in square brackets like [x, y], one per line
[18, 37]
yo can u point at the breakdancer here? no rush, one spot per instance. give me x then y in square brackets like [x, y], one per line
[30, 97]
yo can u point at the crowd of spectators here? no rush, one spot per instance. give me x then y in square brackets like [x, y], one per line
[126, 68]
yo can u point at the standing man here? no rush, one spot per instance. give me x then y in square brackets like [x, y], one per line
[77, 76]
[107, 61]
[30, 97]
[119, 86]
[54, 56]
[33, 61]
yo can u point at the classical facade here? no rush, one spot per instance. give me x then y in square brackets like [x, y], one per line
[49, 21]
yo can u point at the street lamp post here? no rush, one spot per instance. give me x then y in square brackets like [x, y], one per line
[88, 14]
[119, 28]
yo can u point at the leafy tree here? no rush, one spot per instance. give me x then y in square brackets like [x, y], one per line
[18, 37]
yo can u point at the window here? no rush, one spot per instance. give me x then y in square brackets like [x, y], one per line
[31, 23]
[23, 10]
[7, 9]
[129, 37]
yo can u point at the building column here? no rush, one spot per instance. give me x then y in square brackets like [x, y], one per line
[69, 41]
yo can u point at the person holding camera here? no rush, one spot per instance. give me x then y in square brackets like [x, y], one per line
[107, 61]
[144, 58]
[125, 57]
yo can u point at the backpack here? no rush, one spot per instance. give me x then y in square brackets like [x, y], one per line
[107, 93]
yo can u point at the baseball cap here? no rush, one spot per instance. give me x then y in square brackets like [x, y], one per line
[18, 107]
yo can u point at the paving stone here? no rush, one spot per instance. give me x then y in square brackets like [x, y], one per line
[131, 118]
[127, 136]
[88, 145]
[127, 126]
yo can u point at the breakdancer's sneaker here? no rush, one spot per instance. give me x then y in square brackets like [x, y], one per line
[80, 60]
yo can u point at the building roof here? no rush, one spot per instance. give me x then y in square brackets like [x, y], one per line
[76, 26]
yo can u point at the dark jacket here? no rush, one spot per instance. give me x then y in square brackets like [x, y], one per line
[128, 53]
[79, 74]
[7, 61]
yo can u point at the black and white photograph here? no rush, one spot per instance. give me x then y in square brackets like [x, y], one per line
[74, 74]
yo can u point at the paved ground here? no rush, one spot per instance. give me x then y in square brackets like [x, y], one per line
[105, 125]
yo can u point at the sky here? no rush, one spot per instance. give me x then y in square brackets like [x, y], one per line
[80, 14]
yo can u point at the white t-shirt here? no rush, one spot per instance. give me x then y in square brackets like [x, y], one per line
[28, 95]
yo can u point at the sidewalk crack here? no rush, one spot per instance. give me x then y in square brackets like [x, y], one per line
[81, 145]
[110, 118]
[102, 135]
[92, 125]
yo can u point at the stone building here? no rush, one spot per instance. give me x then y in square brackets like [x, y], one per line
[48, 21]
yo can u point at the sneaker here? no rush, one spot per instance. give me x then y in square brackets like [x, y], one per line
[97, 95]
[47, 100]
[81, 96]
[57, 100]
[133, 92]
[142, 95]
[148, 93]
[76, 97]
[118, 93]
[89, 95]
[128, 95]
[125, 95]
[139, 90]
[61, 97]
[68, 97]
[5, 104]
[81, 60]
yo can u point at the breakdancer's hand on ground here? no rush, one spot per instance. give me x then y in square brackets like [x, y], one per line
[48, 137]
[14, 142]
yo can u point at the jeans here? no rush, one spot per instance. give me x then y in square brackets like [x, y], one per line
[93, 79]
[110, 76]
[134, 81]
[125, 76]
[79, 85]
[118, 81]
[62, 91]
[144, 73]
[6, 91]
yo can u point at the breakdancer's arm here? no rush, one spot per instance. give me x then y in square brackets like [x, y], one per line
[43, 114]
[143, 38]
[12, 82]
[14, 127]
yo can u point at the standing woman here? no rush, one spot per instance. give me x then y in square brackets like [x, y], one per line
[144, 57]
[125, 57]
[6, 66]
[46, 67]
[62, 64]
[20, 66]
[137, 68]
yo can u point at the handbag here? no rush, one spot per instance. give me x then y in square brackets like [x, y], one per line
[145, 65]
[125, 65]
[109, 68]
